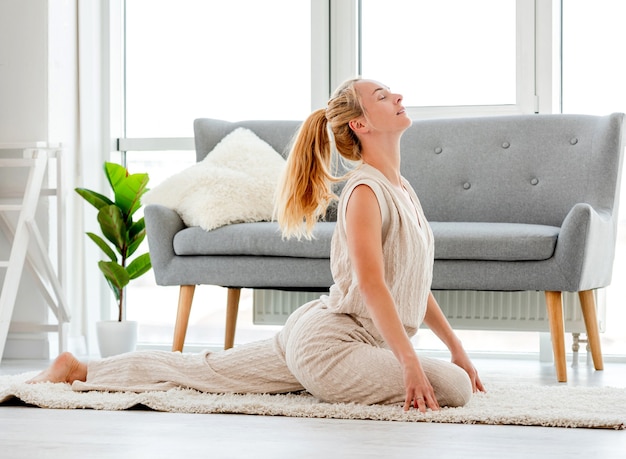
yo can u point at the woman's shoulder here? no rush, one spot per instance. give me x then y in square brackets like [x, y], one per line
[365, 174]
[370, 177]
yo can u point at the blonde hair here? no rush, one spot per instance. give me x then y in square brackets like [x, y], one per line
[305, 190]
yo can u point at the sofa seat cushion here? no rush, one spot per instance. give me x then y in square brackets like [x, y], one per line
[258, 239]
[493, 241]
[453, 241]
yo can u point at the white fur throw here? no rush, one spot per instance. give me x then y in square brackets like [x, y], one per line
[235, 183]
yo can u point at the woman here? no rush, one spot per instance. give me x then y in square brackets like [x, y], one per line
[352, 345]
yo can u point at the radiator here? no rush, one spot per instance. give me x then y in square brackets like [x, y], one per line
[272, 307]
[469, 310]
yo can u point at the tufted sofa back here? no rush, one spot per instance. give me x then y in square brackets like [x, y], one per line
[519, 169]
[208, 132]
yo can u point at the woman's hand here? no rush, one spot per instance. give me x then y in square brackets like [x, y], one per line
[419, 392]
[461, 359]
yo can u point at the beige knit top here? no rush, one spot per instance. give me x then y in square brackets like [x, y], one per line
[408, 251]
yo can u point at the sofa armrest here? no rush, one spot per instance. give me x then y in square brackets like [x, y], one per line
[162, 224]
[585, 248]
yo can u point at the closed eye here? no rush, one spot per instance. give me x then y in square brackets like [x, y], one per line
[382, 92]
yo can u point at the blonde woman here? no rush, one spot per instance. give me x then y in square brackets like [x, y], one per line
[354, 344]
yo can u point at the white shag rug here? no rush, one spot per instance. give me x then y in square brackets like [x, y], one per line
[512, 404]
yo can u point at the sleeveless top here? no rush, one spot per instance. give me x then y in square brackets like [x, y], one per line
[408, 253]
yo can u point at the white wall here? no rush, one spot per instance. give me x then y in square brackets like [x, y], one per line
[37, 103]
[23, 70]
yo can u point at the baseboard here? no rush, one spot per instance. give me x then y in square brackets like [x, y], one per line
[26, 347]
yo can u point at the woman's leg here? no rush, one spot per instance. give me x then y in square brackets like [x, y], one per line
[256, 367]
[337, 360]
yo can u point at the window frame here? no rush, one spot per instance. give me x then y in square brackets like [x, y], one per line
[344, 60]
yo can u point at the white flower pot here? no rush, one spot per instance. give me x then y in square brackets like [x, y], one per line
[116, 337]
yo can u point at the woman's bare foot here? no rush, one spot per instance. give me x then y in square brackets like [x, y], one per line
[66, 368]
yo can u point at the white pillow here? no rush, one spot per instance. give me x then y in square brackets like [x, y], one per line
[235, 183]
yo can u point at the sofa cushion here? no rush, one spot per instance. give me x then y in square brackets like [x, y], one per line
[453, 241]
[258, 238]
[493, 241]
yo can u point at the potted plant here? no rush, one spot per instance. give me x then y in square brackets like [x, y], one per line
[121, 237]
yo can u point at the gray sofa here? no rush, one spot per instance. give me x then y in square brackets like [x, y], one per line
[523, 202]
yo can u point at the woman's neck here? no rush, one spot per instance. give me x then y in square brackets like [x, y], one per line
[384, 156]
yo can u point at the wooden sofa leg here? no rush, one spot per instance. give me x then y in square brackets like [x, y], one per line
[232, 309]
[185, 299]
[588, 305]
[554, 303]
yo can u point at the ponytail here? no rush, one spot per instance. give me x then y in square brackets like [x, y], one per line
[305, 190]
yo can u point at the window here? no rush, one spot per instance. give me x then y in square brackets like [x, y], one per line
[452, 57]
[240, 59]
[594, 70]
[443, 53]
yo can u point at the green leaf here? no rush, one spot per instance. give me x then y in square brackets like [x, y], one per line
[128, 189]
[135, 243]
[115, 174]
[139, 266]
[138, 227]
[113, 227]
[95, 199]
[116, 276]
[106, 248]
[131, 192]
[136, 235]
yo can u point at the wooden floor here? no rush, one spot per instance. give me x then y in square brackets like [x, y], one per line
[41, 433]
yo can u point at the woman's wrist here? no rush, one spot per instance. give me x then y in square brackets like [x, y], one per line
[408, 358]
[455, 346]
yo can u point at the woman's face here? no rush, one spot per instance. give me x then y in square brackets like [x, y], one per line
[384, 111]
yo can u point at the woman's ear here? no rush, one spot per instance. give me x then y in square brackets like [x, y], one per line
[356, 125]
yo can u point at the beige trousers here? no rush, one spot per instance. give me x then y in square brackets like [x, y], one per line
[330, 355]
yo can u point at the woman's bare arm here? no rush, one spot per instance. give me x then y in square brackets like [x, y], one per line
[363, 226]
[436, 320]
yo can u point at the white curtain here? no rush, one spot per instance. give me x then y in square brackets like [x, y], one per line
[90, 294]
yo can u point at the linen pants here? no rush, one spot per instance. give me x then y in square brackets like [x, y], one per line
[330, 355]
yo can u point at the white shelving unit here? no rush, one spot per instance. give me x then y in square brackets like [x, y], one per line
[28, 249]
